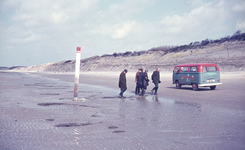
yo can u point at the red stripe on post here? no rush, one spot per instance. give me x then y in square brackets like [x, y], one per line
[78, 49]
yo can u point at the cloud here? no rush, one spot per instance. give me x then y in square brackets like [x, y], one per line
[240, 25]
[123, 31]
[239, 7]
[53, 11]
[123, 11]
[116, 31]
[40, 20]
[199, 19]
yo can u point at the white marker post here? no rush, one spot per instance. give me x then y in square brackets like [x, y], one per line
[77, 72]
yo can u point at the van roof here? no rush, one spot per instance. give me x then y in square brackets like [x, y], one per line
[197, 64]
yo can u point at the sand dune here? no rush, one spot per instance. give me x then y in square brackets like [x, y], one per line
[230, 56]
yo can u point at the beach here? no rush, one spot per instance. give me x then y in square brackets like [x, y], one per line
[37, 112]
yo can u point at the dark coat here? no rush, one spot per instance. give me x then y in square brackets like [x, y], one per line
[137, 77]
[156, 77]
[143, 80]
[122, 81]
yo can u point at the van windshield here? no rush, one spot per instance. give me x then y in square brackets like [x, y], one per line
[209, 69]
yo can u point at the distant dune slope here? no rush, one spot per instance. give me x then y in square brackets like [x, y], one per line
[229, 55]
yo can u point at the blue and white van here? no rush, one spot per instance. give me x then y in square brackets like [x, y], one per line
[197, 75]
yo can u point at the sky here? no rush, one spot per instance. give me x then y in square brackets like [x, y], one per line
[34, 32]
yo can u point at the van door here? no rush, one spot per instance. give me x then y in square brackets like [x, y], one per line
[193, 75]
[176, 75]
[183, 75]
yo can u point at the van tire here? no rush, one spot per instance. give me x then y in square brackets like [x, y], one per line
[178, 86]
[194, 86]
[212, 87]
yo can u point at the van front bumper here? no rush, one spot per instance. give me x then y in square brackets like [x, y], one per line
[209, 84]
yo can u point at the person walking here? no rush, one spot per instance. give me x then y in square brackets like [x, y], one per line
[156, 80]
[143, 80]
[137, 89]
[122, 83]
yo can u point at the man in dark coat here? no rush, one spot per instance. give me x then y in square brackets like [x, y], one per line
[137, 89]
[122, 83]
[156, 80]
[143, 81]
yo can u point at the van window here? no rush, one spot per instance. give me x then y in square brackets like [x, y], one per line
[184, 69]
[204, 69]
[209, 69]
[176, 69]
[193, 69]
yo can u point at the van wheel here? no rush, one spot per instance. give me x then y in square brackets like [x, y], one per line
[178, 86]
[212, 87]
[194, 86]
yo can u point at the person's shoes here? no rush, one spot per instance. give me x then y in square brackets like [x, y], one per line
[155, 94]
[123, 97]
[152, 91]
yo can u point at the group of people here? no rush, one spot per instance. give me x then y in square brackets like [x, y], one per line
[141, 80]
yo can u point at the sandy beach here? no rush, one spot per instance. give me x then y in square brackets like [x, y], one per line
[37, 112]
[166, 88]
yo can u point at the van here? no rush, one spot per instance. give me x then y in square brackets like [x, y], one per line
[197, 75]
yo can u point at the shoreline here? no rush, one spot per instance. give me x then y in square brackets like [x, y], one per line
[109, 73]
[117, 73]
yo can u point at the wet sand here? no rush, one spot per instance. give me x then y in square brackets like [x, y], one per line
[37, 112]
[233, 84]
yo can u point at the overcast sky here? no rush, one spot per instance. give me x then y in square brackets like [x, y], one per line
[35, 32]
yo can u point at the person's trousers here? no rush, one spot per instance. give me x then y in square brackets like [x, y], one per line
[155, 88]
[122, 91]
[142, 91]
[137, 89]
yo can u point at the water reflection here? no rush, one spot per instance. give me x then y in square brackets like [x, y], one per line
[155, 97]
[190, 104]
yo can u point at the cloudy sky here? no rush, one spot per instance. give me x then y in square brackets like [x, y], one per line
[34, 32]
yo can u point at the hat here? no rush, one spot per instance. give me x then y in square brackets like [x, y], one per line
[126, 70]
[146, 70]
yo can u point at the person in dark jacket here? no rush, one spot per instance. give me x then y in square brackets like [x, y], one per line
[137, 89]
[143, 81]
[122, 83]
[156, 80]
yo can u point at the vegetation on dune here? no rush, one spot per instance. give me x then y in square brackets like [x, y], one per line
[237, 36]
[228, 52]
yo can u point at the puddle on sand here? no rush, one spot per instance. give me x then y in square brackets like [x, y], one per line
[49, 104]
[73, 124]
[49, 94]
[188, 104]
[88, 106]
[118, 131]
[65, 98]
[87, 92]
[50, 88]
[76, 124]
[58, 104]
[95, 115]
[112, 127]
[108, 97]
[49, 119]
[41, 85]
